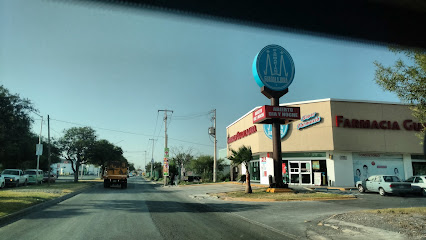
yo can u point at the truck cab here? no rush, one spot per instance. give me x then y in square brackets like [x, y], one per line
[15, 177]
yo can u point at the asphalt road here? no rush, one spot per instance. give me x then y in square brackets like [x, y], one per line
[149, 211]
[142, 211]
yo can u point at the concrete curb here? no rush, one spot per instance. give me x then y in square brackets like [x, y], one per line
[10, 218]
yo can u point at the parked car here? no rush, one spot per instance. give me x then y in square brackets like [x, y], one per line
[14, 177]
[33, 177]
[384, 184]
[46, 177]
[2, 182]
[418, 184]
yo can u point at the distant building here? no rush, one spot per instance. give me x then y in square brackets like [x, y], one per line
[64, 168]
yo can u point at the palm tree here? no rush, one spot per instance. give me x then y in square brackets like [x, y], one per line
[243, 155]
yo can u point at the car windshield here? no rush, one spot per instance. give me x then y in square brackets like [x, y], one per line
[391, 179]
[126, 101]
[11, 172]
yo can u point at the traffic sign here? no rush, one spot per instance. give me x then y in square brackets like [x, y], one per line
[39, 149]
[273, 67]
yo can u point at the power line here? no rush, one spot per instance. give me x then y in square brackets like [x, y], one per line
[127, 132]
[106, 129]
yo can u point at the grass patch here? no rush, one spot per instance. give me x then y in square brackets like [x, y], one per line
[15, 199]
[412, 210]
[261, 194]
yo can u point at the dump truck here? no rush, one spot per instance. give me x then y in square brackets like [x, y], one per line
[116, 173]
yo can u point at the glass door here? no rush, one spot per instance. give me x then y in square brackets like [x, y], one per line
[294, 172]
[305, 172]
[300, 172]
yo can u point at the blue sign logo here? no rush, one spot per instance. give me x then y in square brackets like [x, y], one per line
[273, 67]
[267, 128]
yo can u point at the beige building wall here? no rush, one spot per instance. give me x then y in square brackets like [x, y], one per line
[374, 140]
[325, 136]
[317, 137]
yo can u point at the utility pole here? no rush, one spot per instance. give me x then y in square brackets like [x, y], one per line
[212, 132]
[152, 159]
[48, 148]
[166, 160]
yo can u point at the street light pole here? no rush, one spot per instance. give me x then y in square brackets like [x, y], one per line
[39, 142]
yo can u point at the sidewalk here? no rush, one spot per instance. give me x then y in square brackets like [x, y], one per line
[308, 187]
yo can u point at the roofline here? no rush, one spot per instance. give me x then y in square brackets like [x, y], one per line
[343, 100]
[321, 100]
[242, 117]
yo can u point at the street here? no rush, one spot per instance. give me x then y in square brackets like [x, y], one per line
[150, 211]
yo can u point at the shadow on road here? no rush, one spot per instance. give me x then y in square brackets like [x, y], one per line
[141, 206]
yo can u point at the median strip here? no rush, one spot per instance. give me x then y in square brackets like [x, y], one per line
[16, 201]
[261, 195]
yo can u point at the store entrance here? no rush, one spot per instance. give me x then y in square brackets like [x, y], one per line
[300, 172]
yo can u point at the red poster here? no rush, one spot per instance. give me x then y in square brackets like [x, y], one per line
[284, 171]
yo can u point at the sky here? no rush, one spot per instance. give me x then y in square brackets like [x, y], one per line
[113, 68]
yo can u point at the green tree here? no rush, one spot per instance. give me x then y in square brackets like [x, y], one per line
[132, 167]
[203, 166]
[243, 156]
[29, 151]
[77, 146]
[181, 158]
[156, 167]
[407, 80]
[104, 152]
[15, 125]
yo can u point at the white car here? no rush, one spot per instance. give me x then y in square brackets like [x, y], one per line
[418, 183]
[384, 184]
[2, 182]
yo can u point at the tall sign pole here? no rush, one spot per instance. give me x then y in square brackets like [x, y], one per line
[273, 70]
[166, 149]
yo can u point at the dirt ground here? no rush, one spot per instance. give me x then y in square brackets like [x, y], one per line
[412, 225]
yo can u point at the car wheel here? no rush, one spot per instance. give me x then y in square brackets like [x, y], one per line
[424, 191]
[3, 185]
[382, 192]
[17, 184]
[361, 188]
[25, 183]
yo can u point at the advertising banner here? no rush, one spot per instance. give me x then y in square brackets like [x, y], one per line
[270, 112]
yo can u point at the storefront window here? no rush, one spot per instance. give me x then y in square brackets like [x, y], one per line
[305, 167]
[419, 168]
[254, 171]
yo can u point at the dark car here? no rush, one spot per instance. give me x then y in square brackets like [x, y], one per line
[46, 177]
